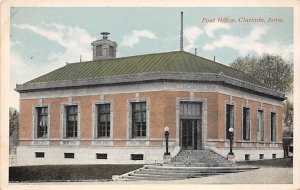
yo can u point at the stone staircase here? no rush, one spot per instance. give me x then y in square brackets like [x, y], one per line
[200, 158]
[165, 173]
[187, 164]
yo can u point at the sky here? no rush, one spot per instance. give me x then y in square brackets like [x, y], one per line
[44, 39]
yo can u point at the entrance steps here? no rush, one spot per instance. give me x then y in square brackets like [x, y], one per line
[164, 173]
[202, 158]
[187, 164]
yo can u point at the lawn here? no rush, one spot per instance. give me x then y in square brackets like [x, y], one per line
[279, 162]
[67, 172]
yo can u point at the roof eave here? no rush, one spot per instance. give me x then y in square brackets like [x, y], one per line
[146, 77]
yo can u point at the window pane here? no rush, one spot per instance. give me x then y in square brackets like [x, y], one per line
[181, 108]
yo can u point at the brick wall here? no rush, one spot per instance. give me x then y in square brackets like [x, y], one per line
[162, 113]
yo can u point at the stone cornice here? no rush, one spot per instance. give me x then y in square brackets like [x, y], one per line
[150, 77]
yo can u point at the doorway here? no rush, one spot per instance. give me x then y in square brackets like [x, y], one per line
[190, 125]
[190, 130]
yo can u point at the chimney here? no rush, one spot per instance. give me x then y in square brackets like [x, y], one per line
[181, 33]
[105, 35]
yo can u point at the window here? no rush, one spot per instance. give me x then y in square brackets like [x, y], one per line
[111, 51]
[103, 120]
[246, 123]
[101, 156]
[69, 155]
[261, 156]
[139, 119]
[260, 126]
[273, 126]
[273, 156]
[71, 121]
[42, 122]
[190, 110]
[99, 50]
[137, 157]
[229, 119]
[290, 148]
[39, 154]
[247, 157]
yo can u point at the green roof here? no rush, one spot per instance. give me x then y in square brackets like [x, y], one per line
[175, 62]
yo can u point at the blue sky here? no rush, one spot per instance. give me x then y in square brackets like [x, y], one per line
[43, 39]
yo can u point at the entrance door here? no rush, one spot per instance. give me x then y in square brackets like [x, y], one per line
[190, 125]
[190, 130]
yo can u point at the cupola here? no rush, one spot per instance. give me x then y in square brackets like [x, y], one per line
[104, 48]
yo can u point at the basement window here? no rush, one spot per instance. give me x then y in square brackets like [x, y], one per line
[101, 156]
[273, 156]
[39, 154]
[137, 157]
[69, 155]
[247, 157]
[261, 156]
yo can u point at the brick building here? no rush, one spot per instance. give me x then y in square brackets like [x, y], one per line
[114, 110]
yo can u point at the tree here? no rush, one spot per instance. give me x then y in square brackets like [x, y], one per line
[273, 72]
[13, 127]
[288, 117]
[270, 70]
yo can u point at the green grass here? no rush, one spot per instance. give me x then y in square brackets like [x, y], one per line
[67, 172]
[279, 162]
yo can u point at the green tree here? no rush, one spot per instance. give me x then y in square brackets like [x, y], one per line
[271, 70]
[288, 117]
[274, 72]
[13, 127]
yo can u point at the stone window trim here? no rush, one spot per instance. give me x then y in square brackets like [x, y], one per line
[232, 103]
[63, 106]
[129, 118]
[95, 121]
[35, 120]
[259, 139]
[203, 119]
[273, 111]
[250, 123]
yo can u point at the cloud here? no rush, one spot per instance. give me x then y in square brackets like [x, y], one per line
[135, 38]
[192, 34]
[212, 27]
[250, 43]
[74, 41]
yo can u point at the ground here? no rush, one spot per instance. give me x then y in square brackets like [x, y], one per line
[277, 171]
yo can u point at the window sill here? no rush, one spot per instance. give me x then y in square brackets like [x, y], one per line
[138, 138]
[102, 138]
[41, 139]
